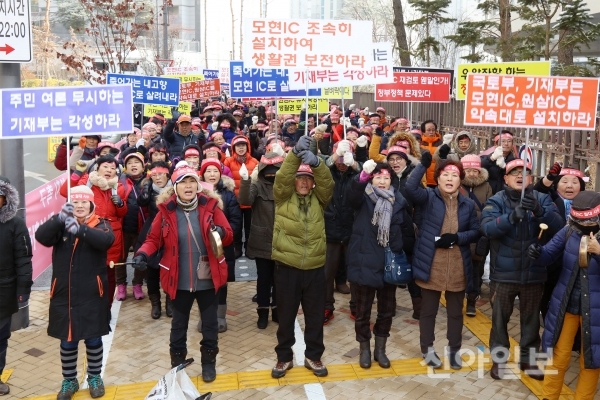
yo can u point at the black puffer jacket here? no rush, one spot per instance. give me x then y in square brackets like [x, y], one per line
[339, 214]
[79, 290]
[15, 253]
[496, 179]
[233, 213]
[135, 217]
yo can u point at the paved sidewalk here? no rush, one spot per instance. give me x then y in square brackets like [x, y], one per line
[139, 356]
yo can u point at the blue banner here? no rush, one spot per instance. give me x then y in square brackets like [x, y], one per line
[210, 74]
[60, 111]
[149, 89]
[262, 83]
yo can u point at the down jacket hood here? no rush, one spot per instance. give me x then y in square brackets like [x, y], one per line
[9, 210]
[457, 150]
[415, 149]
[167, 194]
[232, 121]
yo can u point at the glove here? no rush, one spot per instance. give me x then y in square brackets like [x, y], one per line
[139, 143]
[254, 120]
[361, 122]
[378, 132]
[482, 247]
[369, 166]
[517, 215]
[347, 122]
[82, 142]
[501, 162]
[448, 138]
[80, 166]
[175, 113]
[496, 154]
[65, 212]
[302, 144]
[446, 240]
[116, 200]
[531, 203]
[244, 172]
[23, 298]
[349, 159]
[342, 148]
[554, 171]
[444, 151]
[426, 159]
[534, 251]
[362, 141]
[309, 158]
[71, 225]
[303, 105]
[140, 262]
[277, 149]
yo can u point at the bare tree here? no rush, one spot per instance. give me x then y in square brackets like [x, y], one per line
[241, 27]
[232, 30]
[401, 33]
[147, 57]
[205, 41]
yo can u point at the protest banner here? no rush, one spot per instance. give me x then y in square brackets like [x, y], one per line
[77, 110]
[224, 75]
[336, 92]
[187, 78]
[149, 89]
[210, 74]
[41, 204]
[535, 68]
[182, 70]
[427, 69]
[263, 83]
[294, 106]
[151, 109]
[53, 143]
[307, 43]
[200, 90]
[428, 87]
[553, 102]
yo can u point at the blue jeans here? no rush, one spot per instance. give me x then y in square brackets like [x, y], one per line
[93, 342]
[4, 336]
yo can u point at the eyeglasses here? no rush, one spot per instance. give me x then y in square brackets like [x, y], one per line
[516, 172]
[395, 159]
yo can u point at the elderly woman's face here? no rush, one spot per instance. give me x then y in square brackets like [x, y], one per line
[568, 187]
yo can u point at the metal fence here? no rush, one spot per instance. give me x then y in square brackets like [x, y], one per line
[579, 149]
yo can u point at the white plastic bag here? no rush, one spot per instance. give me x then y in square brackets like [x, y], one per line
[176, 385]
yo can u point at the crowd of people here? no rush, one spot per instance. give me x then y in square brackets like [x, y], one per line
[188, 195]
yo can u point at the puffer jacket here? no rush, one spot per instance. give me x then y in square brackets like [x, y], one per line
[163, 236]
[455, 152]
[136, 215]
[509, 243]
[496, 179]
[339, 214]
[257, 192]
[233, 213]
[432, 214]
[431, 144]
[235, 166]
[104, 208]
[15, 253]
[366, 257]
[177, 141]
[79, 290]
[565, 245]
[299, 231]
[415, 152]
[478, 190]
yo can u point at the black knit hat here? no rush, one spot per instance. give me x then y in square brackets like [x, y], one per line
[586, 206]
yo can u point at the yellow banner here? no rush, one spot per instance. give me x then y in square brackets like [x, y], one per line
[151, 109]
[295, 106]
[53, 143]
[540, 68]
[187, 78]
[336, 92]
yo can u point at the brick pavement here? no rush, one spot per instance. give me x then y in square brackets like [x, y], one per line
[139, 354]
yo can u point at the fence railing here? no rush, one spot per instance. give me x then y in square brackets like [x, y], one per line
[579, 149]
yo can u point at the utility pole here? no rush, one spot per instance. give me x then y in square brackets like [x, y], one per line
[165, 31]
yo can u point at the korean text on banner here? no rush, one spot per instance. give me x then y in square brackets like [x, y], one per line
[41, 204]
[78, 110]
[294, 106]
[210, 74]
[149, 89]
[427, 69]
[151, 109]
[380, 72]
[425, 87]
[262, 83]
[182, 70]
[553, 102]
[224, 75]
[200, 90]
[537, 68]
[336, 92]
[306, 43]
[53, 143]
[187, 78]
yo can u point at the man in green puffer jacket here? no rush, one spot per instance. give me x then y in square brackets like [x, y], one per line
[303, 188]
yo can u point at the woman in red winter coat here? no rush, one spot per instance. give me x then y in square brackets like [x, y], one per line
[108, 200]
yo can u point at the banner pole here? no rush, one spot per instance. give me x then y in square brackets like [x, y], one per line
[307, 105]
[343, 112]
[526, 154]
[68, 141]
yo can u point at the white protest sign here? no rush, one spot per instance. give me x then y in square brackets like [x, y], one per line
[382, 71]
[307, 44]
[183, 70]
[15, 32]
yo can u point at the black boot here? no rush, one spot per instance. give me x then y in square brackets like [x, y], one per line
[274, 315]
[209, 361]
[471, 304]
[364, 359]
[237, 249]
[379, 353]
[177, 358]
[263, 317]
[155, 302]
[455, 360]
[416, 302]
[168, 307]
